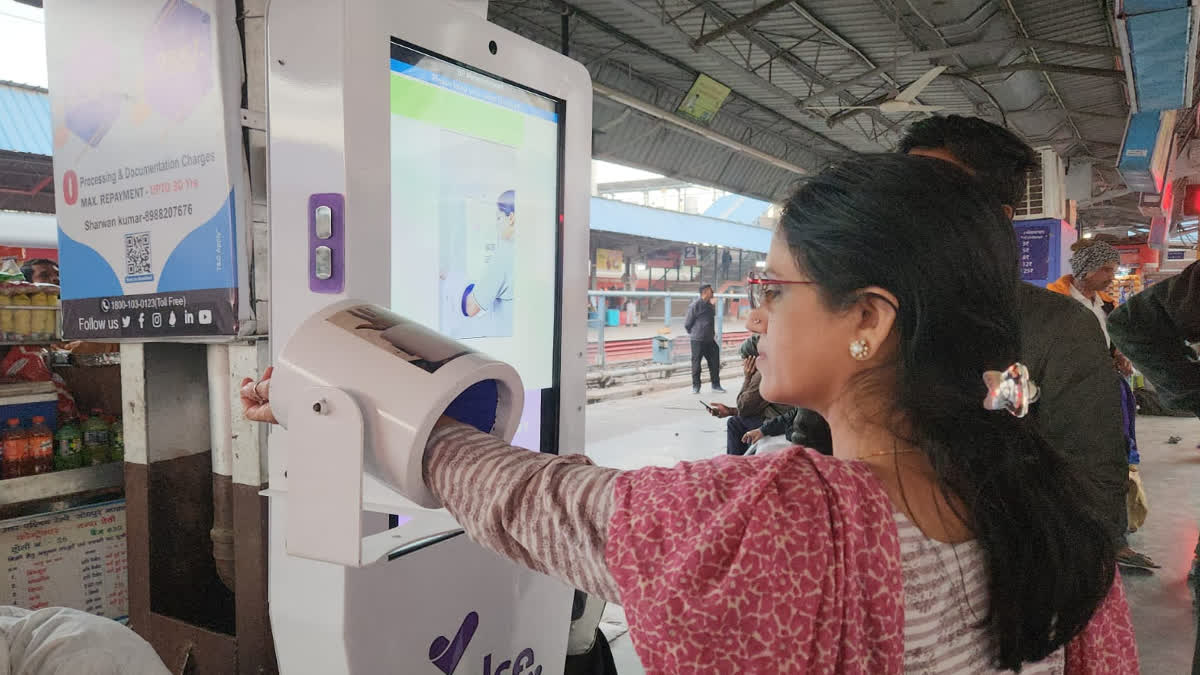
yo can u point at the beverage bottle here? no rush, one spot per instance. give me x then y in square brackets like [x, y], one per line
[41, 319]
[116, 441]
[95, 439]
[16, 450]
[22, 317]
[41, 447]
[68, 446]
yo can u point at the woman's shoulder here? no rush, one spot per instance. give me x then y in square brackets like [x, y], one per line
[793, 479]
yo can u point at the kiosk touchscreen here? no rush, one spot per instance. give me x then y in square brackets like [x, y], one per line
[429, 180]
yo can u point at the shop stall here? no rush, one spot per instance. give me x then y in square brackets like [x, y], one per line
[62, 514]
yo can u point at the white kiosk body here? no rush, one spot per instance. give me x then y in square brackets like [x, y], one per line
[426, 162]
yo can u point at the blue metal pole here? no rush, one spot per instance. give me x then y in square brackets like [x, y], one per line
[720, 320]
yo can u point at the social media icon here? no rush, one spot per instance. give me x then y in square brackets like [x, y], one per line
[171, 320]
[188, 318]
[204, 316]
[105, 305]
[125, 321]
[156, 319]
[142, 320]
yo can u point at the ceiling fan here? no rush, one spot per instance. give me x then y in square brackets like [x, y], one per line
[904, 102]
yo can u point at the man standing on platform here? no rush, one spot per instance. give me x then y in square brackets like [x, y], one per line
[701, 325]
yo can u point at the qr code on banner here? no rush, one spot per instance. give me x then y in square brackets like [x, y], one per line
[137, 257]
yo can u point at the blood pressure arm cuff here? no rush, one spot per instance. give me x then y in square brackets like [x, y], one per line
[545, 512]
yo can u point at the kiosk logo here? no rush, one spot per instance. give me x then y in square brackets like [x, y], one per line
[446, 653]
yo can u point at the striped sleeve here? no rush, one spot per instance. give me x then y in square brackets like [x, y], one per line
[548, 513]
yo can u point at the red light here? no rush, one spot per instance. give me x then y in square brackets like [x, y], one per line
[1191, 201]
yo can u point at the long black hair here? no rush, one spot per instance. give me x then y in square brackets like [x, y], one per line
[931, 235]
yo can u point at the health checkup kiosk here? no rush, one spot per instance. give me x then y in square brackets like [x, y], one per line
[429, 179]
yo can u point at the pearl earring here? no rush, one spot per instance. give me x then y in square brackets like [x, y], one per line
[860, 350]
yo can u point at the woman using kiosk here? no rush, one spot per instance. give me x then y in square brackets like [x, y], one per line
[943, 536]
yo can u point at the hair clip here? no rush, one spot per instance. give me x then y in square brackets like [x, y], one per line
[1012, 390]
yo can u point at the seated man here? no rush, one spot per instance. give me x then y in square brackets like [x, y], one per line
[751, 410]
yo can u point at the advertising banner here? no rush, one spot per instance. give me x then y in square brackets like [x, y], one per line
[147, 164]
[704, 99]
[663, 258]
[610, 262]
[1035, 251]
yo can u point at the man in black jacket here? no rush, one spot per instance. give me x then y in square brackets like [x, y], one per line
[701, 325]
[1080, 407]
[1153, 330]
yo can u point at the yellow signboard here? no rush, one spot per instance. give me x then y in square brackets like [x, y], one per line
[703, 100]
[610, 261]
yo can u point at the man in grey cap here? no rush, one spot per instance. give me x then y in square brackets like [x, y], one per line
[1093, 268]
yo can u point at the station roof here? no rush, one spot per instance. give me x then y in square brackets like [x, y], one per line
[1048, 69]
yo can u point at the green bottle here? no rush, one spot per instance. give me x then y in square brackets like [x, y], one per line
[95, 439]
[116, 441]
[68, 444]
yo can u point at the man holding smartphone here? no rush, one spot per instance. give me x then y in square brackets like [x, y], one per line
[752, 410]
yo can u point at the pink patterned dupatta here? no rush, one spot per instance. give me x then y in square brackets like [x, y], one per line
[707, 556]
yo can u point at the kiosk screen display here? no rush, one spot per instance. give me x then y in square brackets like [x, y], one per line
[475, 190]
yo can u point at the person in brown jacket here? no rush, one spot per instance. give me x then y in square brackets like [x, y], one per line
[752, 409]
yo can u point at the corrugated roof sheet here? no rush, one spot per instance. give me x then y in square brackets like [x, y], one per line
[25, 120]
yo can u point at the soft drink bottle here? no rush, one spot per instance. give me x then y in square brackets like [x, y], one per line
[68, 446]
[95, 439]
[41, 447]
[16, 450]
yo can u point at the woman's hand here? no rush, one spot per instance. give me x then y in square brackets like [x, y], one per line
[256, 399]
[749, 365]
[752, 437]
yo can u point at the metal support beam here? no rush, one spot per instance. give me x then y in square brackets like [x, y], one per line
[1108, 195]
[1073, 112]
[931, 54]
[808, 16]
[1045, 68]
[1045, 74]
[821, 146]
[704, 132]
[795, 64]
[742, 22]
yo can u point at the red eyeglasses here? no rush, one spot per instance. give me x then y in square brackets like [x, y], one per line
[761, 290]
